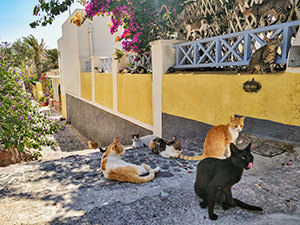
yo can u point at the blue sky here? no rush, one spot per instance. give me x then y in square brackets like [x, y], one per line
[15, 16]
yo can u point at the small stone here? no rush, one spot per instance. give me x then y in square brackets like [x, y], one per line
[79, 176]
[164, 174]
[164, 166]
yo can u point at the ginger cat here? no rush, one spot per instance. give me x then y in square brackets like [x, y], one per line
[218, 140]
[93, 144]
[114, 168]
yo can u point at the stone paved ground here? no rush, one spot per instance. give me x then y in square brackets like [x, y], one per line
[70, 139]
[70, 189]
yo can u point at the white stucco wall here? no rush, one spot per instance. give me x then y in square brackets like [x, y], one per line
[69, 66]
[297, 44]
[102, 37]
[74, 47]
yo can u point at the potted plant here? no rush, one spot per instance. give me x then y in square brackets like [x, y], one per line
[43, 101]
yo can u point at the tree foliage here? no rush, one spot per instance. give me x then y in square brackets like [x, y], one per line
[23, 54]
[38, 49]
[51, 9]
[51, 59]
[143, 20]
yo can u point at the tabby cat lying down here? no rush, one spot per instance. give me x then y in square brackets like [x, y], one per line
[114, 168]
[215, 178]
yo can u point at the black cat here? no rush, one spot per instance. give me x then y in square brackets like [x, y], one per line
[215, 178]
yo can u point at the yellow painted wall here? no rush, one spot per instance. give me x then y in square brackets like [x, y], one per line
[135, 96]
[212, 98]
[86, 85]
[34, 91]
[63, 106]
[104, 89]
[39, 89]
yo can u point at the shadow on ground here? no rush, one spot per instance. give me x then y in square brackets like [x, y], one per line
[72, 190]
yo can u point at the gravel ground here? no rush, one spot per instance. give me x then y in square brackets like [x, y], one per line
[70, 189]
[70, 139]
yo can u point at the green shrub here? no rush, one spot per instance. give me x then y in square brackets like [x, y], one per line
[21, 122]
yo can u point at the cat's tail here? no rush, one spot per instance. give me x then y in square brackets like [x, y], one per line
[244, 205]
[102, 149]
[149, 177]
[130, 174]
[196, 158]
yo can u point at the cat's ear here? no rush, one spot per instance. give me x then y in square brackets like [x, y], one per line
[232, 118]
[116, 146]
[116, 140]
[248, 148]
[242, 118]
[174, 138]
[233, 148]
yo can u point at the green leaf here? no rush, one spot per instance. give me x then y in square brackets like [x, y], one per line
[21, 147]
[7, 144]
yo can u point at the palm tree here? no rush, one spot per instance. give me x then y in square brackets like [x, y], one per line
[23, 53]
[38, 50]
[51, 56]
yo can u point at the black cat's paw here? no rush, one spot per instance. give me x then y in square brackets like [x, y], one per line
[213, 217]
[226, 206]
[203, 204]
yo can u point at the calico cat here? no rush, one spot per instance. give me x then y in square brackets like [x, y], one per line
[140, 142]
[218, 140]
[167, 149]
[215, 178]
[13, 155]
[264, 56]
[114, 168]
